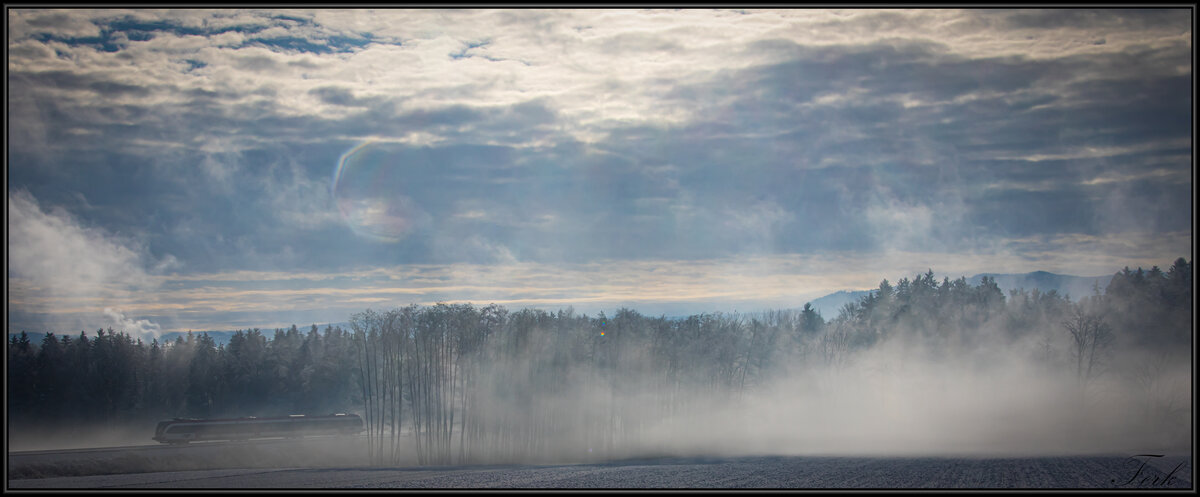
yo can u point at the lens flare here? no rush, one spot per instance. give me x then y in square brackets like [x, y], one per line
[368, 187]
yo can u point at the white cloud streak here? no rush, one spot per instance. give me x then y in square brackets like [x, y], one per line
[54, 263]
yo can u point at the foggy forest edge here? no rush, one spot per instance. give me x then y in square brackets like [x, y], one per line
[476, 384]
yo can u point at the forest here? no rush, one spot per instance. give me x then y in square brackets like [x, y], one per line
[468, 384]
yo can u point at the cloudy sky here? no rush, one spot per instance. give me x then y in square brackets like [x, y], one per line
[223, 169]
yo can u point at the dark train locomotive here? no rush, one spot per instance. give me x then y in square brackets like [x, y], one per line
[181, 431]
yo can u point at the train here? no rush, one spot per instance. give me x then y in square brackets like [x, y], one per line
[182, 430]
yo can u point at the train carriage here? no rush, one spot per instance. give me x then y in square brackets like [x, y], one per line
[181, 431]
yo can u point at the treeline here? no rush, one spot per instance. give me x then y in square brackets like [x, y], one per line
[461, 383]
[112, 379]
[1139, 308]
[482, 384]
[1139, 311]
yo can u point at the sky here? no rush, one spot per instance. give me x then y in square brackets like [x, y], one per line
[220, 169]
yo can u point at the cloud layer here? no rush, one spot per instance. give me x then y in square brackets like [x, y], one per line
[666, 141]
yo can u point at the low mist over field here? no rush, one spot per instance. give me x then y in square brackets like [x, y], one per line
[954, 371]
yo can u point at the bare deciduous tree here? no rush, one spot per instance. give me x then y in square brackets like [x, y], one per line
[1091, 337]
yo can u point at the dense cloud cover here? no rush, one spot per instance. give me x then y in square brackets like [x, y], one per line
[216, 169]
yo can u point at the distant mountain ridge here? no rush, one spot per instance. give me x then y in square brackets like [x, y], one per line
[829, 305]
[1075, 287]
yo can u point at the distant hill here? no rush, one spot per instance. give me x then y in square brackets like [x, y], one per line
[830, 305]
[1075, 287]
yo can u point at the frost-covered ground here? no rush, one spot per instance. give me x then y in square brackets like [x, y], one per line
[741, 472]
